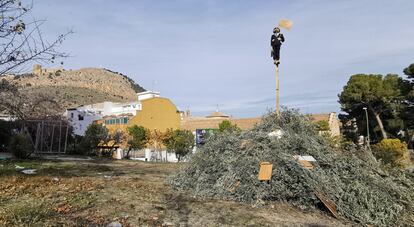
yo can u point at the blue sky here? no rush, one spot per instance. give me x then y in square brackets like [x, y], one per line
[204, 53]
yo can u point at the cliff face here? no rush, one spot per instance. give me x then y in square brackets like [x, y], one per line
[78, 87]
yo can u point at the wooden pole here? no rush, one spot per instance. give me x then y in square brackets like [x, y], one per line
[277, 92]
[66, 137]
[53, 135]
[41, 138]
[60, 134]
[37, 138]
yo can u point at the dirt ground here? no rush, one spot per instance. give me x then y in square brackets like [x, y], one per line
[98, 192]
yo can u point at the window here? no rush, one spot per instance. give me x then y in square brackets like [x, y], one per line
[118, 121]
[80, 117]
[71, 115]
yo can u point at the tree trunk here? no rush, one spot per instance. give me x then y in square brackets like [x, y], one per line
[166, 155]
[379, 121]
[127, 155]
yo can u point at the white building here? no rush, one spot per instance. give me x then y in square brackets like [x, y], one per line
[147, 95]
[81, 117]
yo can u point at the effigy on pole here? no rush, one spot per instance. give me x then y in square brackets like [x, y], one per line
[276, 41]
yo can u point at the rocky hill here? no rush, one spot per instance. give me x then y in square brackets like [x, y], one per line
[78, 87]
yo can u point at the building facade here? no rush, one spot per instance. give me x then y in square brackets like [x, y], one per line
[157, 113]
[213, 120]
[81, 117]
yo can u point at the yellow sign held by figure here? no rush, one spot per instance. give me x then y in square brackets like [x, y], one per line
[286, 24]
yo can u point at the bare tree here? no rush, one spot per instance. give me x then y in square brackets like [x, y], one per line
[21, 38]
[24, 106]
[21, 43]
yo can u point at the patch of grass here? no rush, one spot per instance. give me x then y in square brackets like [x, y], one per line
[82, 201]
[26, 214]
[53, 168]
[6, 171]
[22, 163]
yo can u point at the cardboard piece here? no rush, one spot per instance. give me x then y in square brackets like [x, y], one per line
[328, 203]
[305, 161]
[265, 172]
[308, 158]
[306, 164]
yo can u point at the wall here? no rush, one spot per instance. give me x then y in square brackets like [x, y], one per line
[160, 156]
[157, 114]
[334, 124]
[80, 126]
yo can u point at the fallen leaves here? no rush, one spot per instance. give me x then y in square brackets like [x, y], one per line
[63, 209]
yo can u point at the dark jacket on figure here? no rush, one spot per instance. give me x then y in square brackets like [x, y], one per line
[276, 41]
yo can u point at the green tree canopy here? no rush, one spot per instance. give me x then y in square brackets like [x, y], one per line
[409, 71]
[94, 135]
[181, 142]
[227, 126]
[407, 115]
[375, 92]
[139, 137]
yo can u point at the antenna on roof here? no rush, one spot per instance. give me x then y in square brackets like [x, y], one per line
[217, 109]
[154, 82]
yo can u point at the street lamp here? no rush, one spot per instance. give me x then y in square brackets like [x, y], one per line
[366, 116]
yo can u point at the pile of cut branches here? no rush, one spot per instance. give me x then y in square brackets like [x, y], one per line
[227, 167]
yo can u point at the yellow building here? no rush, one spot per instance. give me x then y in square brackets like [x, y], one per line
[156, 113]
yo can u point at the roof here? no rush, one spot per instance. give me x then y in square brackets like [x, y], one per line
[217, 114]
[319, 117]
[193, 123]
[148, 92]
[117, 116]
[202, 123]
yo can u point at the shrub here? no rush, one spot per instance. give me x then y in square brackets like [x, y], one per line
[393, 152]
[5, 134]
[21, 146]
[227, 167]
[139, 137]
[227, 126]
[180, 142]
[322, 125]
[74, 145]
[94, 135]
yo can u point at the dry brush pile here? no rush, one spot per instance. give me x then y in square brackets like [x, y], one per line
[227, 168]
